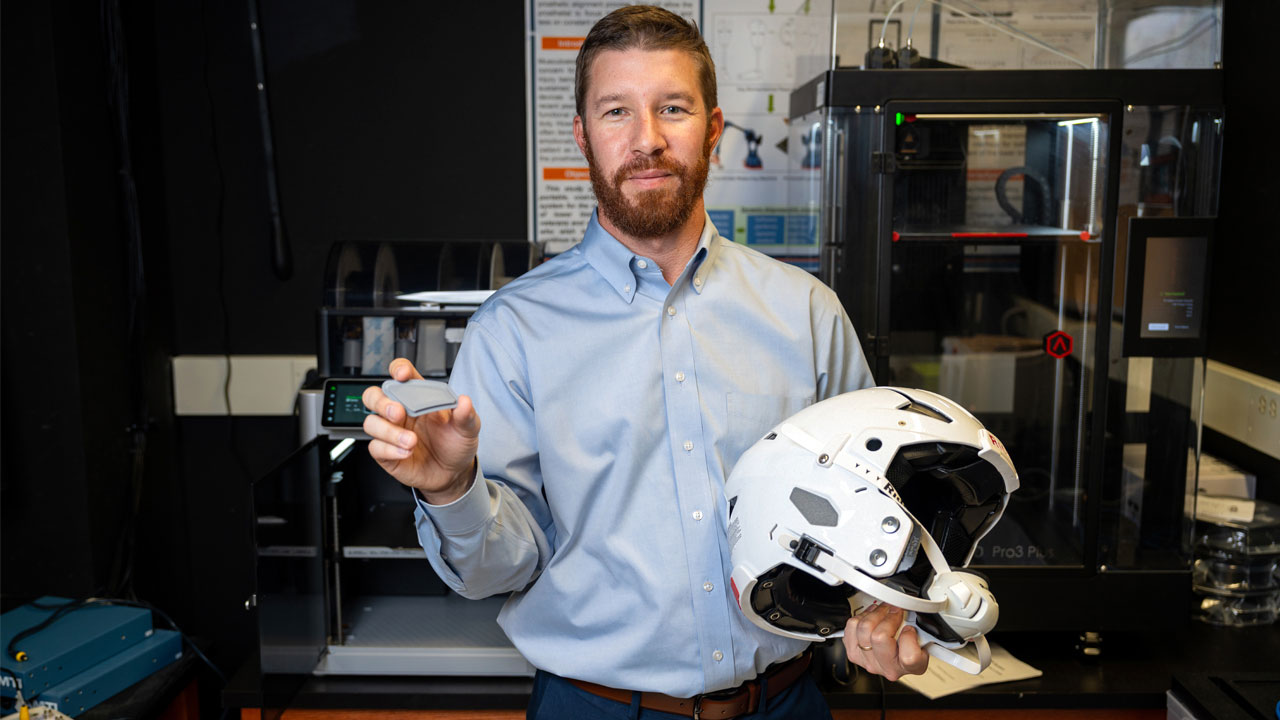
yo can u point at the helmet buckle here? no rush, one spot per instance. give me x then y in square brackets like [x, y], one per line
[806, 550]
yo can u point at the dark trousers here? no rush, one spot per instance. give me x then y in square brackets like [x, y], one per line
[555, 698]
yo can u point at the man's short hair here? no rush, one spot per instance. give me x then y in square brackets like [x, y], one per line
[648, 28]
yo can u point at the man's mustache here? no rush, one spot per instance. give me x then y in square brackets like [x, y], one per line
[648, 162]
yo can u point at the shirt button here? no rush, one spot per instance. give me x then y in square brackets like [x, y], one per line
[626, 288]
[688, 445]
[697, 514]
[679, 377]
[642, 264]
[717, 656]
[697, 282]
[671, 310]
[708, 586]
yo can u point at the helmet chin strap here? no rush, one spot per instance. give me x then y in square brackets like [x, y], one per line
[961, 598]
[943, 651]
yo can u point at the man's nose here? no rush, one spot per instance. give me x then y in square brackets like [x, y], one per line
[648, 138]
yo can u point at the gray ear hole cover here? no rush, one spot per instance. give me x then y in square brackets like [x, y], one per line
[815, 508]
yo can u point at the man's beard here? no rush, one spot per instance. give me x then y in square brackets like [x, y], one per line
[656, 212]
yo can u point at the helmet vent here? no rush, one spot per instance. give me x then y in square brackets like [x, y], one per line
[920, 408]
[815, 508]
[927, 411]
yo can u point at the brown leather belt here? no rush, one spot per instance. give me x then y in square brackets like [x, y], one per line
[722, 705]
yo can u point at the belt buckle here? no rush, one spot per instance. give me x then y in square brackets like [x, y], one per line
[726, 694]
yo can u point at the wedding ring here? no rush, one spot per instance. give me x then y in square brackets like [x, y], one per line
[865, 648]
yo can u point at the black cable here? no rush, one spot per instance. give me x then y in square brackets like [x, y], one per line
[221, 242]
[173, 626]
[884, 701]
[281, 253]
[116, 60]
[1042, 185]
[10, 651]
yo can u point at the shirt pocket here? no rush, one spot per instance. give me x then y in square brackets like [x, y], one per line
[750, 417]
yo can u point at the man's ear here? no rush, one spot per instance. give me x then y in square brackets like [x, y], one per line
[580, 134]
[716, 128]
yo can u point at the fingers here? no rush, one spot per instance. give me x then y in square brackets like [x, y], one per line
[867, 625]
[461, 420]
[464, 418]
[388, 454]
[884, 638]
[391, 441]
[403, 370]
[377, 401]
[857, 641]
[914, 659]
[447, 437]
[873, 643]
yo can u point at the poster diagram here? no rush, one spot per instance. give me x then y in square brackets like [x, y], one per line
[763, 50]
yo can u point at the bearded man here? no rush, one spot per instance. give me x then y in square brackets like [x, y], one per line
[619, 382]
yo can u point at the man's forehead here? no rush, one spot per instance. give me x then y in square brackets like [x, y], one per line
[656, 72]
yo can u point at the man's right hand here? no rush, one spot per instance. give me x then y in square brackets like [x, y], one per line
[434, 453]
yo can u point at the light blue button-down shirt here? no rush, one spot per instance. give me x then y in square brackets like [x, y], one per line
[612, 408]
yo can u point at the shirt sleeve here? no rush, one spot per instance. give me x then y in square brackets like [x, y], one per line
[498, 536]
[841, 365]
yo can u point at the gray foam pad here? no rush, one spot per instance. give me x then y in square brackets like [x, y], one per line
[420, 397]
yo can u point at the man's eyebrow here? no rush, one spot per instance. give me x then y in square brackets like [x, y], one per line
[619, 97]
[607, 99]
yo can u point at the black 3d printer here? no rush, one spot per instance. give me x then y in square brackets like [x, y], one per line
[343, 588]
[1035, 244]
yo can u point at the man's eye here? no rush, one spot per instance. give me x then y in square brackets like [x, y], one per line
[616, 112]
[673, 110]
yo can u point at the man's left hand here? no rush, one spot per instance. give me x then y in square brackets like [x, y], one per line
[873, 643]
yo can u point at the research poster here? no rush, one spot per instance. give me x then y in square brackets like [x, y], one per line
[761, 189]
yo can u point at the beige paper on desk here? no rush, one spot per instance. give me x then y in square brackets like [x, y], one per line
[942, 679]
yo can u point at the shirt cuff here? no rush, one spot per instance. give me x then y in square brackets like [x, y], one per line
[463, 515]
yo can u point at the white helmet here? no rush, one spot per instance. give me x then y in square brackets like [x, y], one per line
[828, 514]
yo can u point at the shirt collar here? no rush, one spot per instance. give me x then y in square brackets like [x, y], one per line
[614, 261]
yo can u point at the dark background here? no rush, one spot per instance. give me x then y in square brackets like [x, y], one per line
[392, 120]
[139, 230]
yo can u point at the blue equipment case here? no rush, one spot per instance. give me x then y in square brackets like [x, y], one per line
[71, 644]
[100, 682]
